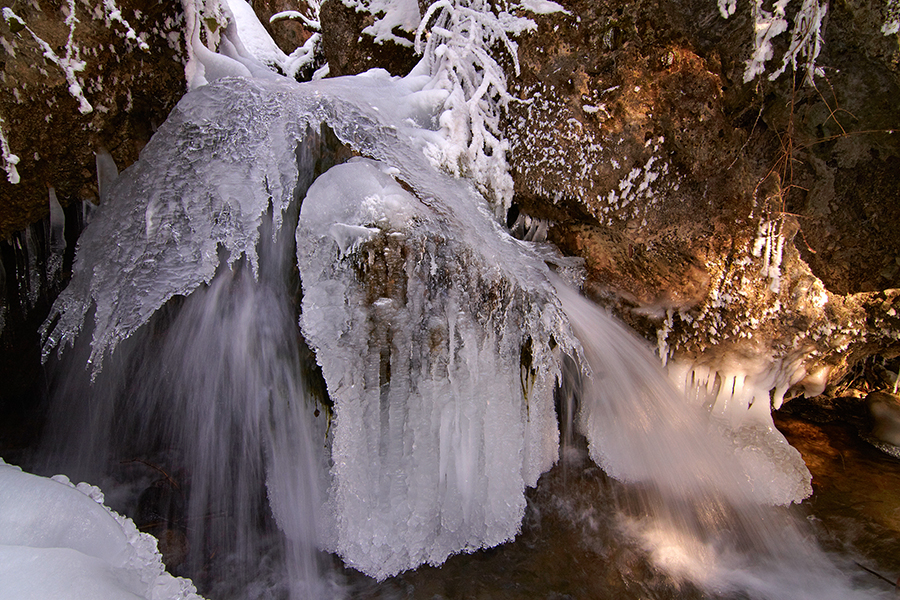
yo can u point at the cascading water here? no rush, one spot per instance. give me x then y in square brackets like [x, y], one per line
[210, 393]
[439, 336]
[703, 515]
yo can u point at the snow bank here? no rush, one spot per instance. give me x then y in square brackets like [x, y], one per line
[60, 541]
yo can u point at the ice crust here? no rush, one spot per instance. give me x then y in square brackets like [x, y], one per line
[440, 421]
[58, 540]
[197, 197]
[223, 157]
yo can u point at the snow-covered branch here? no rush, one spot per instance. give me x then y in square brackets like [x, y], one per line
[456, 39]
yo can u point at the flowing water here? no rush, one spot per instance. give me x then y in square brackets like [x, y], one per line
[441, 340]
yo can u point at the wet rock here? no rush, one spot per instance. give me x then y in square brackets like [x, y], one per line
[161, 513]
[884, 409]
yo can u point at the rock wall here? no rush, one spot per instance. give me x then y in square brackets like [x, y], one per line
[75, 84]
[741, 222]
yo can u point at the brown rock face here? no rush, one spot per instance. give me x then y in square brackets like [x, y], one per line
[70, 88]
[623, 129]
[289, 34]
[746, 214]
[349, 51]
[130, 84]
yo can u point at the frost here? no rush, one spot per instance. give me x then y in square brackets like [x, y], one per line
[769, 245]
[113, 13]
[806, 36]
[806, 41]
[71, 64]
[10, 160]
[456, 56]
[727, 7]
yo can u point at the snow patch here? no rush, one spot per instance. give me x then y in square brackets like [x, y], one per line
[58, 540]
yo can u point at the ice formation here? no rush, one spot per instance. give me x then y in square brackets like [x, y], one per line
[649, 433]
[58, 540]
[435, 349]
[456, 55]
[257, 43]
[892, 18]
[197, 199]
[740, 400]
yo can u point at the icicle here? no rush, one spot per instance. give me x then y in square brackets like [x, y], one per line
[438, 364]
[107, 172]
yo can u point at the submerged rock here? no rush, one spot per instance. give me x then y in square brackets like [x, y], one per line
[884, 409]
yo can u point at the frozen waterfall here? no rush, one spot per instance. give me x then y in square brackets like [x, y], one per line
[441, 340]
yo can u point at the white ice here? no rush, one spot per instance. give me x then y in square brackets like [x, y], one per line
[439, 423]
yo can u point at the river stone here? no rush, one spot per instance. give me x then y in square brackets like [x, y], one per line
[884, 409]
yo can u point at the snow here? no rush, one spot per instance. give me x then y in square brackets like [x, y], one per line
[256, 42]
[70, 64]
[456, 59]
[542, 7]
[390, 15]
[59, 541]
[10, 160]
[113, 13]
